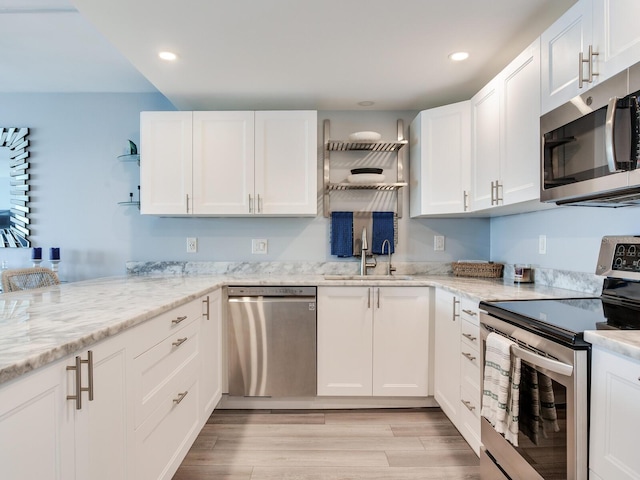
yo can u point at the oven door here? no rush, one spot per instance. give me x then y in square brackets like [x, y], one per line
[553, 415]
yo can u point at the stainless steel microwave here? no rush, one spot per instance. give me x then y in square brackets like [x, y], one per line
[590, 151]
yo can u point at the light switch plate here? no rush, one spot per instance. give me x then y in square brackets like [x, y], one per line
[542, 244]
[259, 246]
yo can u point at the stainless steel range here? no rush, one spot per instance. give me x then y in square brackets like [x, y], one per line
[553, 394]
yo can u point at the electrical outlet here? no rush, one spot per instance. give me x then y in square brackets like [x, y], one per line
[438, 243]
[259, 246]
[542, 244]
[192, 244]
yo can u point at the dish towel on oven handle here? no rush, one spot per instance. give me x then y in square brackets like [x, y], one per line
[500, 398]
[538, 408]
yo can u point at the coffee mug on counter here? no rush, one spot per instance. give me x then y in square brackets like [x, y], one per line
[522, 273]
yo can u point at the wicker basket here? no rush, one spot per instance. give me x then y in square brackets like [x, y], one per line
[474, 269]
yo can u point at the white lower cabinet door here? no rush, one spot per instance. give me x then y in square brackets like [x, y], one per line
[447, 353]
[345, 330]
[36, 432]
[401, 341]
[211, 352]
[615, 416]
[103, 425]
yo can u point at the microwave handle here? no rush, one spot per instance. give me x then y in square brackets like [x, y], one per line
[555, 366]
[609, 127]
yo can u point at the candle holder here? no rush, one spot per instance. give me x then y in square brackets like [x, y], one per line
[54, 265]
[36, 262]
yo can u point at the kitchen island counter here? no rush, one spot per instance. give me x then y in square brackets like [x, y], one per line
[40, 326]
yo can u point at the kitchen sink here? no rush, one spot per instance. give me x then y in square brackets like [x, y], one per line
[368, 277]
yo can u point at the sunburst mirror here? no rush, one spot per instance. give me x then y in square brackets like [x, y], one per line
[14, 187]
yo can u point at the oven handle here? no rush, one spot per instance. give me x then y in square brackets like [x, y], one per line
[555, 366]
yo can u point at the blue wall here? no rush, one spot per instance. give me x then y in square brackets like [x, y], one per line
[77, 182]
[573, 235]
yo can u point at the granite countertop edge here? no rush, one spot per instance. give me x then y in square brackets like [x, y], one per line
[54, 322]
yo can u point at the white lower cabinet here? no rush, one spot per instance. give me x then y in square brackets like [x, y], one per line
[615, 417]
[457, 363]
[373, 341]
[45, 435]
[153, 388]
[36, 432]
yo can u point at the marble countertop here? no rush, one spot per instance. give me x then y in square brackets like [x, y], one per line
[40, 326]
[624, 342]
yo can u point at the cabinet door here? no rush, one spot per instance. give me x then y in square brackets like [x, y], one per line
[211, 353]
[520, 127]
[616, 35]
[440, 141]
[345, 332]
[401, 341]
[36, 433]
[223, 170]
[615, 417]
[103, 426]
[561, 45]
[286, 163]
[165, 163]
[447, 353]
[485, 145]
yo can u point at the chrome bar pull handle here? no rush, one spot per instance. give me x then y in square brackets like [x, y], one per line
[258, 207]
[179, 342]
[78, 381]
[499, 188]
[206, 313]
[470, 337]
[187, 202]
[455, 302]
[470, 357]
[591, 72]
[378, 298]
[178, 320]
[470, 312]
[369, 297]
[465, 201]
[89, 362]
[468, 404]
[180, 397]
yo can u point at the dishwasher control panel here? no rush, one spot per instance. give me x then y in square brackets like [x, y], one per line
[259, 291]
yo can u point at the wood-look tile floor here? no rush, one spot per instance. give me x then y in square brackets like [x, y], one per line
[395, 444]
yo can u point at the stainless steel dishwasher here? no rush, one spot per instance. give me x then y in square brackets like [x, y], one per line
[272, 341]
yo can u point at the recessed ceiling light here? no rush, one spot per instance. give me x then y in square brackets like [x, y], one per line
[366, 103]
[458, 56]
[169, 56]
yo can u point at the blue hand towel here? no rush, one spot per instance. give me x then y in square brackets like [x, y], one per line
[383, 229]
[342, 234]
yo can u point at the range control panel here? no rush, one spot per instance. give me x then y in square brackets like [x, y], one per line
[619, 257]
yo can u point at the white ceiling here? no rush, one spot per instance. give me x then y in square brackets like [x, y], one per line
[268, 54]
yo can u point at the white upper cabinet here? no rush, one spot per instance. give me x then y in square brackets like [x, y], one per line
[603, 32]
[439, 141]
[520, 128]
[166, 165]
[223, 173]
[562, 44]
[485, 146]
[286, 163]
[616, 35]
[505, 139]
[229, 163]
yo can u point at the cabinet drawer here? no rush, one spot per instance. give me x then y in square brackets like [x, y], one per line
[469, 425]
[157, 371]
[470, 369]
[470, 335]
[469, 311]
[157, 329]
[165, 437]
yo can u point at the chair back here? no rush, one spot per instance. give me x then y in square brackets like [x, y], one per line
[28, 278]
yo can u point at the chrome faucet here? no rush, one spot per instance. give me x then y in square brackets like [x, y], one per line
[389, 267]
[363, 254]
